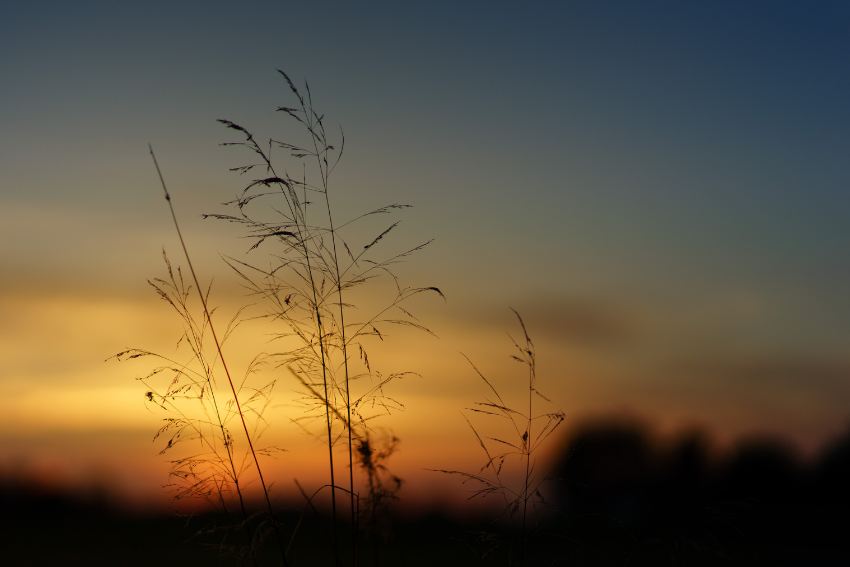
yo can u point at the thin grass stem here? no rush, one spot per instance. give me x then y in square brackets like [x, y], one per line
[221, 357]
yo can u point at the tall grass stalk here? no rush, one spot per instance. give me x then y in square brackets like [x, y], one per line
[490, 479]
[223, 364]
[312, 262]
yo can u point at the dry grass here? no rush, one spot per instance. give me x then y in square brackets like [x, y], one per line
[304, 270]
[307, 273]
[527, 432]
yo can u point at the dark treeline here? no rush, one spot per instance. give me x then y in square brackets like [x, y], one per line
[624, 498]
[618, 496]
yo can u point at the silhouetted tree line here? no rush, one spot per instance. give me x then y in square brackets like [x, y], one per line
[618, 497]
[629, 500]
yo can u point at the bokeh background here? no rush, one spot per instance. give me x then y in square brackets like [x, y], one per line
[659, 188]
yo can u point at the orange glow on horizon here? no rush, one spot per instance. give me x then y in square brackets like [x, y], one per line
[76, 420]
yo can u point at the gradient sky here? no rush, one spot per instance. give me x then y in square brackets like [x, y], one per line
[660, 188]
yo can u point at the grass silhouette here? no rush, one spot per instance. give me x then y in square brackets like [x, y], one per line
[529, 431]
[305, 284]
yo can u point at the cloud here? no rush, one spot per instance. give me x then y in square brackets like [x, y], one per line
[778, 376]
[589, 322]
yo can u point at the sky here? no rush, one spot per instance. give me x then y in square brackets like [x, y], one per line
[658, 188]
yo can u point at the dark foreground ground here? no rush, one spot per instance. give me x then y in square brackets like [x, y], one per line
[618, 499]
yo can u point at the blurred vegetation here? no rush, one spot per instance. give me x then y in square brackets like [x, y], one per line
[618, 497]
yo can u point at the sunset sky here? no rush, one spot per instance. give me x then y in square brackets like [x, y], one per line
[659, 188]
